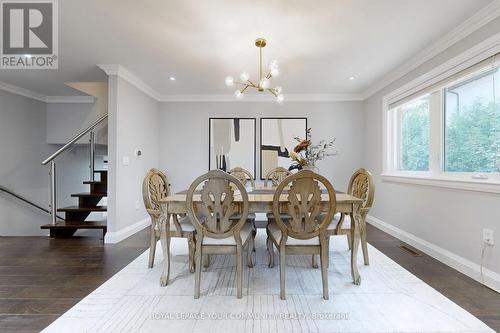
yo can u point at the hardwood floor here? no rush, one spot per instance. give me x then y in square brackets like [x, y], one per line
[40, 278]
[477, 299]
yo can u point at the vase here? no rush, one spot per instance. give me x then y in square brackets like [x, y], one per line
[310, 168]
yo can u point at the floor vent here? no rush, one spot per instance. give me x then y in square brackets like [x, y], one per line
[411, 251]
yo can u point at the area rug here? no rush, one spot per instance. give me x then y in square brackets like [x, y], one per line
[389, 299]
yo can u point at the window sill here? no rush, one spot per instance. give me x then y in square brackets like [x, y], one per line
[464, 184]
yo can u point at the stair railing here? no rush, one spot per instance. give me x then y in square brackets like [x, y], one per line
[23, 199]
[52, 160]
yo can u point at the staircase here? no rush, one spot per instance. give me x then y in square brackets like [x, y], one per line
[75, 216]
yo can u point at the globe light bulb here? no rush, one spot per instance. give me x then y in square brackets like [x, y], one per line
[275, 72]
[238, 94]
[280, 99]
[265, 83]
[229, 81]
[273, 65]
[278, 90]
[244, 76]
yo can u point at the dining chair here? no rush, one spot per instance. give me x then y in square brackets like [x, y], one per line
[154, 188]
[276, 176]
[361, 186]
[216, 232]
[244, 176]
[304, 233]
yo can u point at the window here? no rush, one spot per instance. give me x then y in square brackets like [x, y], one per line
[413, 135]
[472, 124]
[444, 128]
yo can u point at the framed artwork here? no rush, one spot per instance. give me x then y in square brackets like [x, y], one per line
[277, 140]
[232, 144]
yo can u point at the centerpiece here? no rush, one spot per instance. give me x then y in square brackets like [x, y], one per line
[305, 154]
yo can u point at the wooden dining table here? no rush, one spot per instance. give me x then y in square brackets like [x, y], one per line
[261, 201]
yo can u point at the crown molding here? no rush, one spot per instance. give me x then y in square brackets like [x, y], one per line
[475, 22]
[262, 98]
[122, 72]
[43, 98]
[70, 99]
[22, 92]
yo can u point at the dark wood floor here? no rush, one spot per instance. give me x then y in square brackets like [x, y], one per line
[40, 278]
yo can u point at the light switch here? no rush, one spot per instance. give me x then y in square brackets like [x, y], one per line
[126, 160]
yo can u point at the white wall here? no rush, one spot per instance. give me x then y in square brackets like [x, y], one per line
[22, 148]
[184, 134]
[64, 120]
[449, 219]
[133, 124]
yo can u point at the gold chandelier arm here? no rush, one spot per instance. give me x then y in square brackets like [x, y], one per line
[246, 86]
[273, 92]
[268, 76]
[252, 84]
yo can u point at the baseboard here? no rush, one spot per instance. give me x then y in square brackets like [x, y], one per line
[117, 236]
[464, 266]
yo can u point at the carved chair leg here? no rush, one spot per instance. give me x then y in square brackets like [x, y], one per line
[192, 248]
[206, 260]
[328, 251]
[270, 251]
[152, 247]
[165, 244]
[197, 266]
[250, 245]
[254, 233]
[314, 261]
[282, 272]
[349, 241]
[364, 244]
[239, 271]
[324, 268]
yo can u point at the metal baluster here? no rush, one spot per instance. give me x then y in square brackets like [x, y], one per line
[92, 154]
[52, 198]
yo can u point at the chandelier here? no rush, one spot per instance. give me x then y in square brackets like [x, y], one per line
[264, 83]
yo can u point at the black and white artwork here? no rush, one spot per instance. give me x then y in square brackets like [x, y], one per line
[232, 143]
[277, 140]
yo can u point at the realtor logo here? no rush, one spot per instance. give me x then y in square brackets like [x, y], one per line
[29, 34]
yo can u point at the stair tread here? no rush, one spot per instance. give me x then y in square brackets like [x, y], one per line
[83, 209]
[98, 182]
[76, 224]
[89, 194]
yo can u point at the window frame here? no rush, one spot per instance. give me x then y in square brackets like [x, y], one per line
[436, 176]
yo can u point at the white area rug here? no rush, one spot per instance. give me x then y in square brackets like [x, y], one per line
[389, 299]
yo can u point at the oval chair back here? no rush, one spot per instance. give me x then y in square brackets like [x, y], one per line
[211, 215]
[154, 187]
[243, 176]
[361, 186]
[303, 205]
[276, 176]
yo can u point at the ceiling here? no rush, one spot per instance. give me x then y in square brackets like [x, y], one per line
[319, 44]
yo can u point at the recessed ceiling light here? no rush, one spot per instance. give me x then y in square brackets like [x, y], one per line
[172, 78]
[351, 78]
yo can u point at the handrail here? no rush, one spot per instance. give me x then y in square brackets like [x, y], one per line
[75, 139]
[31, 203]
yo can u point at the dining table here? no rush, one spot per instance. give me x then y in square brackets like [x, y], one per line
[260, 200]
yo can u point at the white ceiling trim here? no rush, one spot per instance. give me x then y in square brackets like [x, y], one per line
[70, 99]
[22, 92]
[262, 98]
[475, 22]
[43, 98]
[122, 72]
